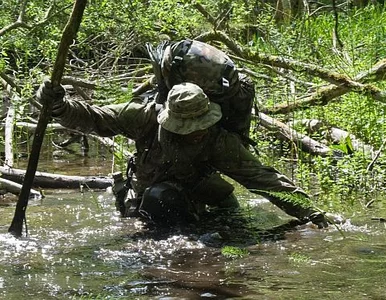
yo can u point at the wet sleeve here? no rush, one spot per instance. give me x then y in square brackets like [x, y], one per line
[234, 160]
[130, 119]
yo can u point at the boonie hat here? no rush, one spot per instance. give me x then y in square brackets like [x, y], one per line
[188, 109]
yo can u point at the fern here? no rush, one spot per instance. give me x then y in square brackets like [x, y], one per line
[294, 198]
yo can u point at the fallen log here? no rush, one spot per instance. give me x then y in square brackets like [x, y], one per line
[326, 94]
[287, 133]
[15, 188]
[340, 83]
[333, 135]
[50, 180]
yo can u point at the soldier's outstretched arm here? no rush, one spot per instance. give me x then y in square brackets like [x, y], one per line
[231, 158]
[130, 119]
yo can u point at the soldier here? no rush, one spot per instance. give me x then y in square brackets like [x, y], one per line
[213, 71]
[182, 150]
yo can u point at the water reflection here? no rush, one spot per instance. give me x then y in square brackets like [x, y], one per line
[79, 248]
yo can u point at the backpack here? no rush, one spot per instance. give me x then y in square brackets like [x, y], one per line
[212, 70]
[196, 62]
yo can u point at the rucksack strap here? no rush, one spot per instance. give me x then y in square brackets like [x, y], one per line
[181, 50]
[155, 55]
[178, 54]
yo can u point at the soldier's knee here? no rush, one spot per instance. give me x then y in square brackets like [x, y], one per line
[165, 203]
[229, 202]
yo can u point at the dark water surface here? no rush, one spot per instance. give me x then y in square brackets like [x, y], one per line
[79, 248]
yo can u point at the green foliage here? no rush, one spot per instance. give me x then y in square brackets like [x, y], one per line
[299, 258]
[234, 252]
[344, 146]
[295, 198]
[112, 35]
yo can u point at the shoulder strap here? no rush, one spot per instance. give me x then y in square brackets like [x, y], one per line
[181, 49]
[177, 52]
[155, 55]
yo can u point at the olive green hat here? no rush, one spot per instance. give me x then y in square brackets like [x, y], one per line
[188, 109]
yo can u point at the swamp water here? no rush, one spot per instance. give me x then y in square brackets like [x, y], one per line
[79, 248]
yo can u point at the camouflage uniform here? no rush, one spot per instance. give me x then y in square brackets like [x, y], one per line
[163, 156]
[213, 71]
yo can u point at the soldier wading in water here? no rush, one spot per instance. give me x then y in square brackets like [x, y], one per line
[181, 151]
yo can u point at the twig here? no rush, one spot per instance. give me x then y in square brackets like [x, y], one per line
[377, 155]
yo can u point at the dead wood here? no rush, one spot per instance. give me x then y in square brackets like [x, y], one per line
[58, 181]
[341, 82]
[92, 85]
[277, 61]
[326, 94]
[376, 156]
[15, 188]
[285, 132]
[8, 136]
[333, 135]
[30, 127]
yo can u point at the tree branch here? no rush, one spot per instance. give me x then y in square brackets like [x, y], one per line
[342, 83]
[285, 132]
[325, 94]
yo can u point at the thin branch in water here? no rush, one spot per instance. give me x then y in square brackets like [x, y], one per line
[377, 155]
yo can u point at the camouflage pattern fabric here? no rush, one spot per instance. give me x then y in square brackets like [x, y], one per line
[169, 159]
[202, 64]
[188, 110]
[212, 70]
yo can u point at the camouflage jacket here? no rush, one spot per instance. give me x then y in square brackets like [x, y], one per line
[171, 159]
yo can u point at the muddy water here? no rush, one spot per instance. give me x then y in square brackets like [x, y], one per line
[79, 248]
